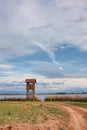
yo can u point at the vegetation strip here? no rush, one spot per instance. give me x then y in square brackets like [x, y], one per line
[76, 98]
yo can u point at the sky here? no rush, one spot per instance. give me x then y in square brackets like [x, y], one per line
[45, 40]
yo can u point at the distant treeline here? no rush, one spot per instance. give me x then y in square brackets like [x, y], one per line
[61, 93]
[44, 93]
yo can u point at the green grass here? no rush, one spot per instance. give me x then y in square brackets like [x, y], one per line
[81, 104]
[61, 129]
[53, 110]
[28, 112]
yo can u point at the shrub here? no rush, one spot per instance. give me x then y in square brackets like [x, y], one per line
[20, 99]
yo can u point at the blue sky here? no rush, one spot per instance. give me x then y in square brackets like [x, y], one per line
[46, 40]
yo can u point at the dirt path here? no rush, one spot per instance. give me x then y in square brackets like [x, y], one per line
[78, 120]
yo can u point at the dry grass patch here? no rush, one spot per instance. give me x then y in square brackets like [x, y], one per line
[30, 113]
[76, 98]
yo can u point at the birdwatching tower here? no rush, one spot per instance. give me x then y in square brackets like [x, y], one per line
[30, 88]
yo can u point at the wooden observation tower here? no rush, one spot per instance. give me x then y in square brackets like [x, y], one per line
[30, 88]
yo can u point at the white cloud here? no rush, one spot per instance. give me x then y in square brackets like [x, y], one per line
[1, 88]
[44, 84]
[4, 66]
[26, 25]
[58, 21]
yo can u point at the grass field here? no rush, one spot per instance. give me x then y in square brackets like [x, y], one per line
[81, 104]
[29, 112]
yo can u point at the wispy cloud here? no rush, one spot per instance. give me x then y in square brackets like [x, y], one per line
[3, 66]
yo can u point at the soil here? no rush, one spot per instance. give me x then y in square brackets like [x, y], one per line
[78, 121]
[78, 117]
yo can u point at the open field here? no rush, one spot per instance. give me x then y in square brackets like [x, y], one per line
[20, 112]
[28, 115]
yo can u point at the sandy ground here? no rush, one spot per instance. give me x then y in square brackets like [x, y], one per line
[78, 121]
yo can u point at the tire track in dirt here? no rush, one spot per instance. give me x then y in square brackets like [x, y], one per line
[77, 121]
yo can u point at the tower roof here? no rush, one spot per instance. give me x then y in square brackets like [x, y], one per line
[30, 80]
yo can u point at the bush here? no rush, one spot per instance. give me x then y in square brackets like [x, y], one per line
[20, 99]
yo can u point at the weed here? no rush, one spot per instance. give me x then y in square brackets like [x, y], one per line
[9, 112]
[76, 98]
[34, 121]
[53, 110]
[60, 129]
